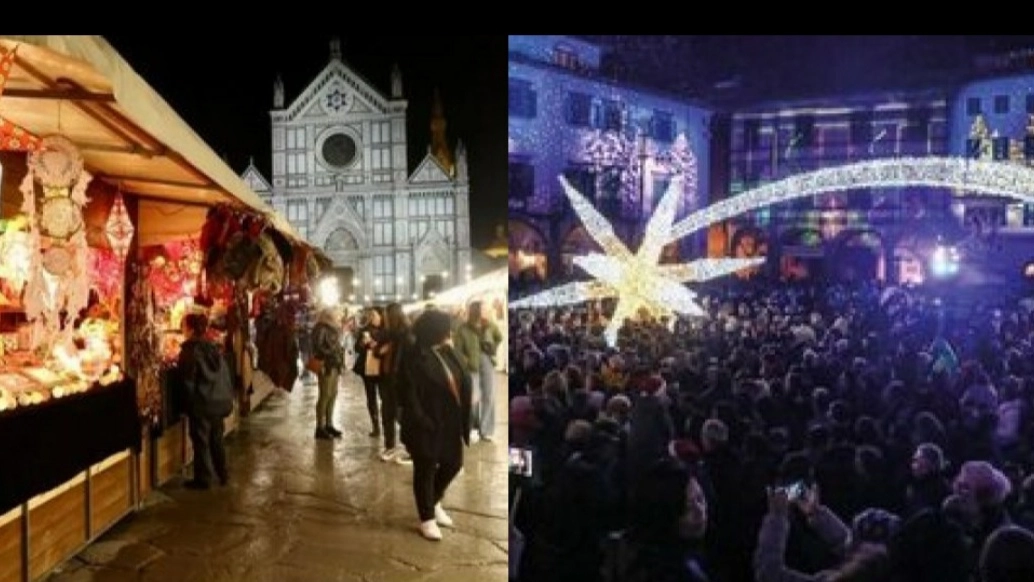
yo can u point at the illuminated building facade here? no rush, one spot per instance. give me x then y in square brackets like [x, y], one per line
[340, 175]
[863, 234]
[993, 118]
[566, 117]
[619, 145]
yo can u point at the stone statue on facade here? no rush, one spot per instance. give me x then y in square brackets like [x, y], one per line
[461, 162]
[396, 82]
[278, 93]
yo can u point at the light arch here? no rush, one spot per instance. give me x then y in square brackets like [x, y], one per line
[981, 176]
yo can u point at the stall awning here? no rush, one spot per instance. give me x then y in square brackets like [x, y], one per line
[81, 88]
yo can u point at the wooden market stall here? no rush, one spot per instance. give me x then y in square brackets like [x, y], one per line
[105, 190]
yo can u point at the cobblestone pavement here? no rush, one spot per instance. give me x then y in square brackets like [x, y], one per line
[298, 509]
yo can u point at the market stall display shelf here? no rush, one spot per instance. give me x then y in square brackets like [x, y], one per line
[11, 546]
[57, 526]
[51, 527]
[171, 453]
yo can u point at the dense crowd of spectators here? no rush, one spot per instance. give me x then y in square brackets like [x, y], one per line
[797, 433]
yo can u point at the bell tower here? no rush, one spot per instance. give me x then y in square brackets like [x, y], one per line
[439, 144]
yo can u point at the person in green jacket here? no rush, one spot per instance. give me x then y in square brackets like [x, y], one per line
[475, 340]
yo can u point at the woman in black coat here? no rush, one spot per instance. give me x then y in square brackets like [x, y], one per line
[435, 393]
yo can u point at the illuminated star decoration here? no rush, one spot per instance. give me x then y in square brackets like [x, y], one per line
[638, 281]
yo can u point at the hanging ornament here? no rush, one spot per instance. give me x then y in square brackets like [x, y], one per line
[58, 279]
[119, 229]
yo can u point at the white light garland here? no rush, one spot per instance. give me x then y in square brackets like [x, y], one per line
[639, 282]
[979, 176]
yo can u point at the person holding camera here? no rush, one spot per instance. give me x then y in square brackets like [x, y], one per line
[476, 340]
[862, 548]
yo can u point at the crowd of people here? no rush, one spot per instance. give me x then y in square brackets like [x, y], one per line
[796, 433]
[429, 382]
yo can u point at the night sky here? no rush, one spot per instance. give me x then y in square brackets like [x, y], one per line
[222, 86]
[732, 70]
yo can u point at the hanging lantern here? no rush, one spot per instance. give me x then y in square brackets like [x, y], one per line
[119, 229]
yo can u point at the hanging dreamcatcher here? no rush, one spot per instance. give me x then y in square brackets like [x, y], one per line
[58, 275]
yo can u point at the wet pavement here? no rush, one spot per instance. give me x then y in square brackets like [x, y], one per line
[298, 509]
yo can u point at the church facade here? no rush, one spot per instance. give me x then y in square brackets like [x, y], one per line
[340, 175]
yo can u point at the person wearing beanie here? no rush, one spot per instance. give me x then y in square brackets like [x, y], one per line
[927, 487]
[979, 500]
[982, 483]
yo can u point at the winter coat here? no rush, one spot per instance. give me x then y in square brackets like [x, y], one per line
[206, 383]
[769, 561]
[327, 346]
[468, 339]
[431, 416]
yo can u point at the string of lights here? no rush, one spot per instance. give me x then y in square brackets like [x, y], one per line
[964, 174]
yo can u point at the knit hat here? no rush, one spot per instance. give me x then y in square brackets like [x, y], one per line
[986, 484]
[874, 525]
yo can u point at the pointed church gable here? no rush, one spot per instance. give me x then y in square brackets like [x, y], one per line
[429, 171]
[432, 253]
[339, 215]
[432, 238]
[255, 180]
[363, 95]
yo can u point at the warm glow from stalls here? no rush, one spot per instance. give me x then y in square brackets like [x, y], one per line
[89, 353]
[17, 259]
[174, 274]
[329, 291]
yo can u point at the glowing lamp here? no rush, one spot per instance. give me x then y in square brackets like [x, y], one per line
[119, 229]
[328, 291]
